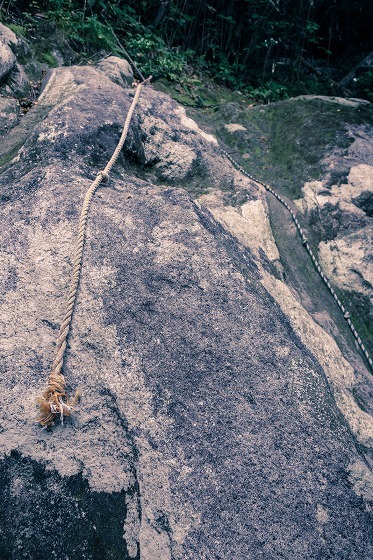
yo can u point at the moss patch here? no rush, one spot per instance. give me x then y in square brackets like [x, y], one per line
[200, 95]
[362, 316]
[285, 142]
[300, 274]
[50, 59]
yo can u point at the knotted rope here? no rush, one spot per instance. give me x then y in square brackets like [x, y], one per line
[54, 400]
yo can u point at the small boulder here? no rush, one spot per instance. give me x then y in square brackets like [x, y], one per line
[118, 70]
[13, 78]
[7, 37]
[18, 82]
[7, 61]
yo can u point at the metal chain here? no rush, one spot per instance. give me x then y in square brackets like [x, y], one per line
[316, 263]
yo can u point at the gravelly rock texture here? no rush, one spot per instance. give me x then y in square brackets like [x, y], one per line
[9, 114]
[207, 427]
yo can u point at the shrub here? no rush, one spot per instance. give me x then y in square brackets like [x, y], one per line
[269, 92]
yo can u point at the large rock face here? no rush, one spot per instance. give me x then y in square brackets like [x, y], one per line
[217, 418]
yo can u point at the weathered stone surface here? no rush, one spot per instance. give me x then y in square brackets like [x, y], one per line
[18, 82]
[317, 151]
[346, 253]
[9, 38]
[343, 211]
[7, 62]
[9, 114]
[118, 70]
[351, 102]
[250, 224]
[207, 427]
[13, 79]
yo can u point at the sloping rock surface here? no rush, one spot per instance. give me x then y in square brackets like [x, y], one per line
[208, 428]
[317, 152]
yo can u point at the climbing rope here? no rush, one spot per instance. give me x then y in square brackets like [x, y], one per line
[316, 263]
[54, 400]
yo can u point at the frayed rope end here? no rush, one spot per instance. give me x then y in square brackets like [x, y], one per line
[54, 401]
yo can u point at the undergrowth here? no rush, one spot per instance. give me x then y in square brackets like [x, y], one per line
[89, 30]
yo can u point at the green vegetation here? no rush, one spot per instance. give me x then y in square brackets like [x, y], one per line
[264, 48]
[285, 142]
[50, 59]
[17, 29]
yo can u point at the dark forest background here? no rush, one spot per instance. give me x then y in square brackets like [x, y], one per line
[271, 48]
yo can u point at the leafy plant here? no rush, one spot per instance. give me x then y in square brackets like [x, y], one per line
[226, 72]
[18, 30]
[269, 92]
[50, 59]
[234, 42]
[156, 59]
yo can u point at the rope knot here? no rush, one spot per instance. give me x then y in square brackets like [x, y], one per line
[54, 401]
[104, 176]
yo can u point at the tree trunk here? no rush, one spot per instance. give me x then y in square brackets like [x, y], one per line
[162, 12]
[368, 60]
